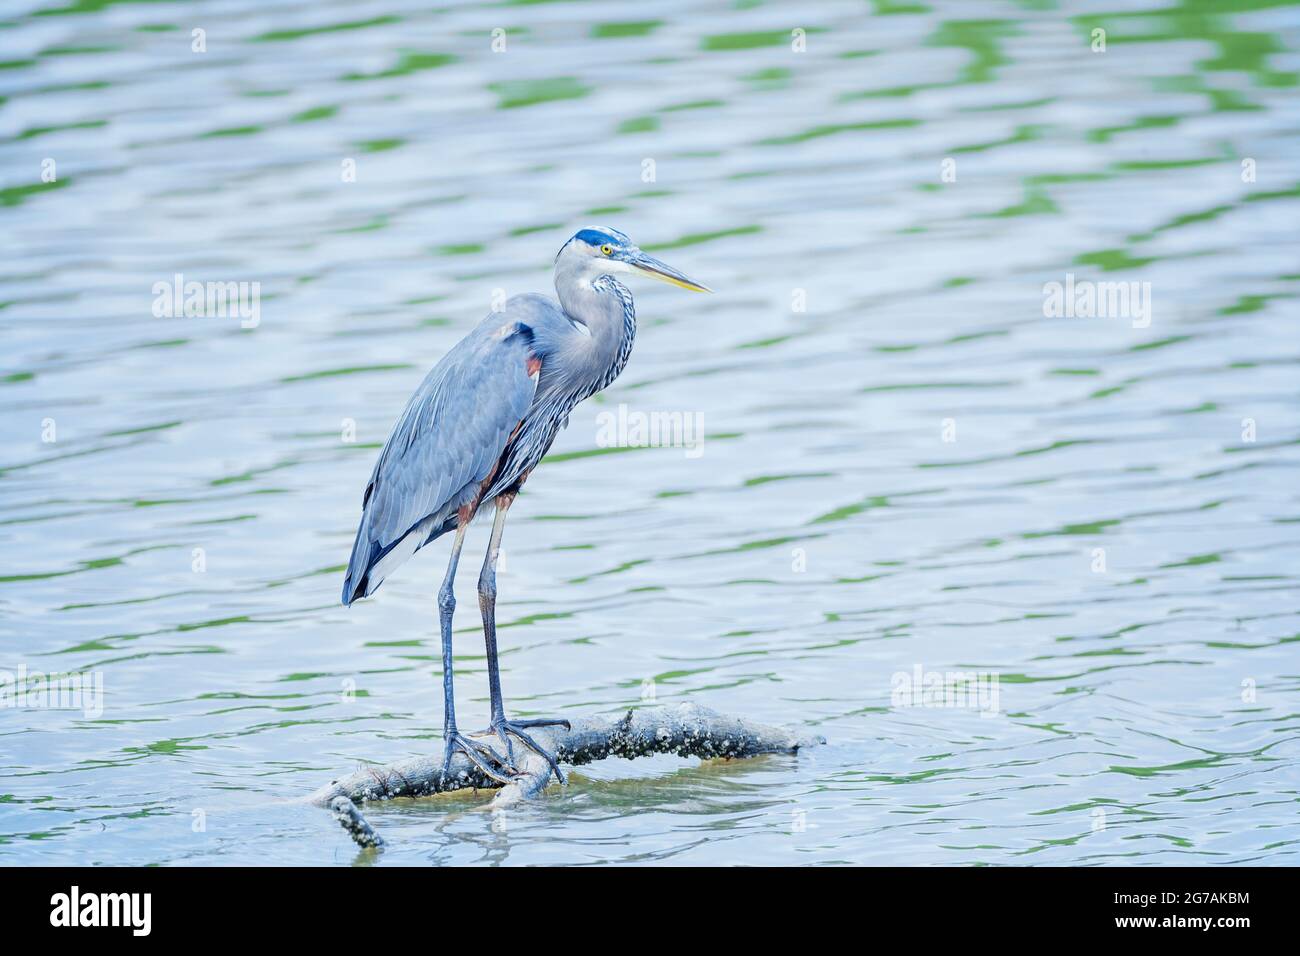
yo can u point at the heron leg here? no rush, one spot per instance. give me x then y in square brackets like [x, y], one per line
[479, 754]
[487, 602]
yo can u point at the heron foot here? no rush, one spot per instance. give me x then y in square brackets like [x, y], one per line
[480, 755]
[504, 729]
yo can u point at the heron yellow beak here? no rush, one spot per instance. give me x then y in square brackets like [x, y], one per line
[652, 267]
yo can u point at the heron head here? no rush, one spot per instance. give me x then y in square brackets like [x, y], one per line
[611, 252]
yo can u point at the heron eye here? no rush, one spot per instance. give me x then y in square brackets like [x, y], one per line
[607, 249]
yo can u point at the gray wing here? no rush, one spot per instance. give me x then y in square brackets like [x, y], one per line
[446, 443]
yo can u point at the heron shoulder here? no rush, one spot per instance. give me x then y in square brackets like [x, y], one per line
[520, 314]
[549, 328]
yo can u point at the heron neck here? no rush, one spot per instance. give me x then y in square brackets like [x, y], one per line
[598, 305]
[604, 306]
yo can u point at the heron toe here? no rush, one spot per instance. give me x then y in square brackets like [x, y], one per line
[480, 755]
[504, 729]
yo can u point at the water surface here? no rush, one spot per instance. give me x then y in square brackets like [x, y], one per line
[906, 464]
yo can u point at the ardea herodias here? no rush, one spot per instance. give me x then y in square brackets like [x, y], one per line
[475, 429]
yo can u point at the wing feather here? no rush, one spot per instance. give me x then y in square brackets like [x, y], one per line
[445, 444]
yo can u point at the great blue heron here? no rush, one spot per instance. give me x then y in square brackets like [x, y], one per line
[475, 429]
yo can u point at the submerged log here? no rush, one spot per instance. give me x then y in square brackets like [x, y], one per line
[687, 730]
[350, 818]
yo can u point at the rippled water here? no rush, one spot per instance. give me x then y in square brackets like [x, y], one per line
[916, 470]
